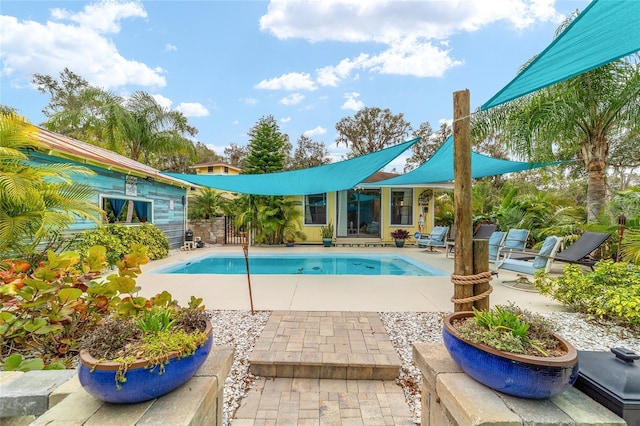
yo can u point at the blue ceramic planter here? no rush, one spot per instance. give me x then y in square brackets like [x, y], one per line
[142, 382]
[514, 374]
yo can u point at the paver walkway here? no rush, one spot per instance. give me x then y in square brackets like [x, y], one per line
[324, 368]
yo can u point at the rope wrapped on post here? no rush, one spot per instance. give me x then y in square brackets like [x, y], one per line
[480, 278]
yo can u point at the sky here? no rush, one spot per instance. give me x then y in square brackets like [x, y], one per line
[307, 63]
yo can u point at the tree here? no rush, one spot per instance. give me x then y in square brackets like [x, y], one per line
[75, 108]
[236, 155]
[577, 118]
[265, 147]
[370, 130]
[181, 162]
[206, 205]
[310, 153]
[139, 127]
[37, 201]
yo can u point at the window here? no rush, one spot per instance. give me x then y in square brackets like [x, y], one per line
[226, 170]
[315, 209]
[402, 206]
[117, 210]
[210, 169]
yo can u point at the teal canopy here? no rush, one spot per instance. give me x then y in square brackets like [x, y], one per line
[605, 31]
[315, 180]
[439, 168]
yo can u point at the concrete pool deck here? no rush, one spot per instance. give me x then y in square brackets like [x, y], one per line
[328, 292]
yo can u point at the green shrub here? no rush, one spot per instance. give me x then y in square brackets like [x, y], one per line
[611, 290]
[118, 238]
[47, 310]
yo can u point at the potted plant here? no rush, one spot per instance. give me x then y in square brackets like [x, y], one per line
[291, 232]
[327, 234]
[134, 358]
[399, 235]
[512, 351]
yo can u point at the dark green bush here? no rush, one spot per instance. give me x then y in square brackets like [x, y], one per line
[119, 238]
[612, 290]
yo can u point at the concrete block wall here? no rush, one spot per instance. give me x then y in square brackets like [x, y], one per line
[211, 232]
[450, 397]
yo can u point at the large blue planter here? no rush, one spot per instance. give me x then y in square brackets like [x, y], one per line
[142, 382]
[518, 375]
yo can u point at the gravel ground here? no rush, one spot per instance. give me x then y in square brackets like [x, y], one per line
[240, 329]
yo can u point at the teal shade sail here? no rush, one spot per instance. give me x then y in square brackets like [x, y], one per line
[315, 180]
[439, 168]
[605, 31]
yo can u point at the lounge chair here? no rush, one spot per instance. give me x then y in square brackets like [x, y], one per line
[580, 251]
[437, 238]
[483, 231]
[496, 240]
[514, 241]
[541, 262]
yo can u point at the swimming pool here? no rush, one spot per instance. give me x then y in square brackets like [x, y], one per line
[307, 264]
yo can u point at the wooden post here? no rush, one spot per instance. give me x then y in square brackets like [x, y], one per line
[481, 264]
[463, 210]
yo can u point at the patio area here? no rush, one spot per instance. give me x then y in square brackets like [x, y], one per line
[329, 292]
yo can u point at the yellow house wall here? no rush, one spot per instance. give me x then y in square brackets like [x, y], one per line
[315, 237]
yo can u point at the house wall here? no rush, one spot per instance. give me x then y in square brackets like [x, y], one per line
[313, 231]
[168, 209]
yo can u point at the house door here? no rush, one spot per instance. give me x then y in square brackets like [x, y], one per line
[358, 213]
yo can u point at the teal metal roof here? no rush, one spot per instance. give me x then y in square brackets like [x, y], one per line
[439, 168]
[605, 31]
[315, 180]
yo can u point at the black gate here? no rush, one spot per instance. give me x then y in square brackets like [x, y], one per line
[232, 234]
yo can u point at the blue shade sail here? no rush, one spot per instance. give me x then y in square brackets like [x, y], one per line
[315, 180]
[605, 31]
[439, 168]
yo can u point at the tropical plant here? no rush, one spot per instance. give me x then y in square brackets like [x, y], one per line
[37, 201]
[48, 309]
[207, 204]
[511, 329]
[576, 118]
[327, 230]
[269, 217]
[400, 234]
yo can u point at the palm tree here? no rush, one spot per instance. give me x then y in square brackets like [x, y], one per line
[37, 201]
[574, 119]
[140, 127]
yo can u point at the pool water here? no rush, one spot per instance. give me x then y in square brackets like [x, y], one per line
[307, 264]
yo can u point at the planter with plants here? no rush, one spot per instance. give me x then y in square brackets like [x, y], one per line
[327, 234]
[134, 359]
[512, 351]
[400, 235]
[60, 307]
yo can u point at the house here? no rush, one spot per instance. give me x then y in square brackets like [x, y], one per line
[367, 216]
[157, 198]
[215, 169]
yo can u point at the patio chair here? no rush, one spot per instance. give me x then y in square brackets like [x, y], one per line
[483, 232]
[514, 241]
[496, 240]
[437, 238]
[580, 251]
[541, 262]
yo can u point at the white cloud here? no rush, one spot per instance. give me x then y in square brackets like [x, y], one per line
[285, 120]
[75, 41]
[292, 99]
[415, 33]
[170, 47]
[315, 131]
[192, 109]
[290, 81]
[352, 102]
[249, 101]
[383, 20]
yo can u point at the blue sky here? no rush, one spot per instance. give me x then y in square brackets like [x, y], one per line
[226, 64]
